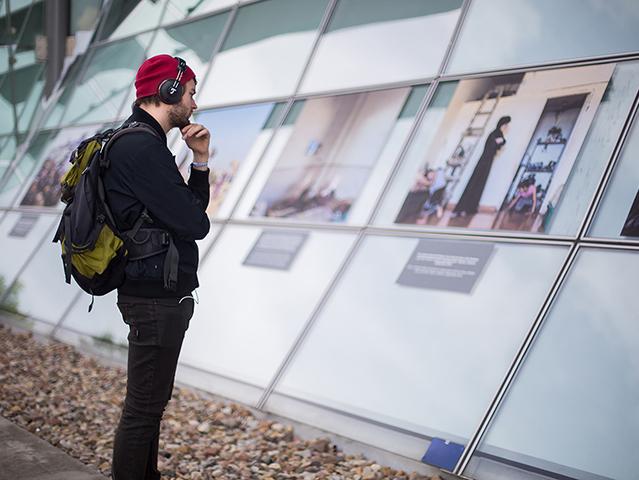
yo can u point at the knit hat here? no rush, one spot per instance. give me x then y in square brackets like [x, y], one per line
[154, 71]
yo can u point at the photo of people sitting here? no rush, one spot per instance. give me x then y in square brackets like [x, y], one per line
[502, 149]
[44, 190]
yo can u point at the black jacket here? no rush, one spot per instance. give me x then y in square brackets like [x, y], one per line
[143, 173]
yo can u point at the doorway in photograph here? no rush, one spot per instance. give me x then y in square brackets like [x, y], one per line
[528, 189]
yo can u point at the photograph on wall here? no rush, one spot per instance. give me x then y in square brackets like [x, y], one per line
[631, 225]
[238, 137]
[44, 188]
[332, 146]
[504, 150]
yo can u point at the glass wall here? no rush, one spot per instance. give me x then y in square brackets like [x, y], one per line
[409, 39]
[265, 51]
[401, 193]
[505, 33]
[418, 351]
[572, 412]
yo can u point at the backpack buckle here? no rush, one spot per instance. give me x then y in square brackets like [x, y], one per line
[165, 238]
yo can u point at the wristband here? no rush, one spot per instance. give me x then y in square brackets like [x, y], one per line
[199, 164]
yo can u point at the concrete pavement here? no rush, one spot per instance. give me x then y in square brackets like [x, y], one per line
[23, 456]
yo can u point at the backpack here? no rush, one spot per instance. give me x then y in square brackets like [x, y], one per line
[94, 251]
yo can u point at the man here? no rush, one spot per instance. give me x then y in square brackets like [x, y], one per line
[143, 175]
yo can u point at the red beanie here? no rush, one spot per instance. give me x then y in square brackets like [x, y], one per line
[154, 71]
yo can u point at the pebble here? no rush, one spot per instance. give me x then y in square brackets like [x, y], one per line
[74, 402]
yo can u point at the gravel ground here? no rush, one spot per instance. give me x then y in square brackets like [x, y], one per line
[74, 402]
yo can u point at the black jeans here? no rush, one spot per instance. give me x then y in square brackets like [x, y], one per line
[156, 331]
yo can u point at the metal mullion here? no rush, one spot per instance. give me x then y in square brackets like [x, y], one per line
[291, 225]
[224, 222]
[586, 61]
[106, 41]
[218, 46]
[198, 17]
[289, 103]
[367, 88]
[421, 112]
[310, 322]
[400, 232]
[610, 168]
[406, 144]
[321, 29]
[452, 43]
[520, 357]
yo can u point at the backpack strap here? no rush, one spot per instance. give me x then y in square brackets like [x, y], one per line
[123, 130]
[172, 258]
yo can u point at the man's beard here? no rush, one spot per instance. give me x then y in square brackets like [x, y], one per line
[179, 116]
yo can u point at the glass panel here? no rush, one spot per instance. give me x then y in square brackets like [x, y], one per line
[26, 22]
[505, 33]
[193, 42]
[240, 135]
[104, 322]
[128, 17]
[43, 292]
[265, 51]
[31, 101]
[84, 15]
[248, 316]
[330, 159]
[20, 234]
[22, 59]
[572, 411]
[7, 154]
[618, 213]
[43, 190]
[417, 340]
[98, 96]
[56, 110]
[408, 37]
[180, 9]
[17, 89]
[20, 171]
[463, 171]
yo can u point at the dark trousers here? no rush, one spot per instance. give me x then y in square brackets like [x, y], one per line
[156, 331]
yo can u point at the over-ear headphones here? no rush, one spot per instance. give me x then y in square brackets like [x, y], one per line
[170, 91]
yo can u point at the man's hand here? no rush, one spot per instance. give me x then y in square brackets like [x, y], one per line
[197, 138]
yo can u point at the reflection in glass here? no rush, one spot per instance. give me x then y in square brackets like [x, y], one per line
[249, 316]
[505, 33]
[178, 10]
[53, 161]
[332, 154]
[18, 173]
[425, 360]
[497, 152]
[127, 17]
[84, 15]
[19, 91]
[408, 37]
[573, 409]
[265, 51]
[240, 135]
[98, 96]
[618, 214]
[193, 42]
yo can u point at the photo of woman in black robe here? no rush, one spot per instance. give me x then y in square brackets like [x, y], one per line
[469, 202]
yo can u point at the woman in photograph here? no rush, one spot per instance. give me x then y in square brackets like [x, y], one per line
[469, 202]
